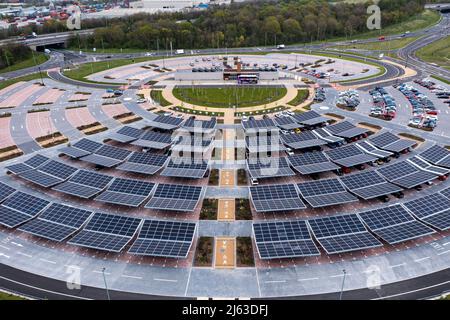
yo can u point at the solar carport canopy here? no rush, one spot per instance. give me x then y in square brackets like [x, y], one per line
[312, 162]
[279, 197]
[158, 238]
[195, 125]
[107, 156]
[84, 184]
[186, 168]
[49, 174]
[302, 140]
[394, 224]
[437, 155]
[126, 192]
[165, 122]
[405, 174]
[346, 129]
[325, 192]
[433, 209]
[145, 163]
[30, 164]
[269, 167]
[126, 134]
[107, 232]
[344, 233]
[81, 148]
[154, 140]
[19, 208]
[175, 197]
[5, 191]
[349, 156]
[284, 239]
[57, 222]
[390, 142]
[369, 185]
[309, 118]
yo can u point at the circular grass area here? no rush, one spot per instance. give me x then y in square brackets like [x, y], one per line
[227, 97]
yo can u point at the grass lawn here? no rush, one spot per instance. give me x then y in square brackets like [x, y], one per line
[302, 95]
[380, 45]
[436, 52]
[157, 96]
[87, 69]
[228, 97]
[33, 76]
[7, 296]
[39, 58]
[440, 79]
[109, 50]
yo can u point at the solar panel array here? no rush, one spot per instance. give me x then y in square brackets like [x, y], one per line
[405, 174]
[166, 122]
[369, 185]
[32, 163]
[394, 224]
[81, 148]
[281, 197]
[390, 142]
[343, 233]
[311, 162]
[126, 192]
[369, 148]
[164, 239]
[154, 140]
[302, 140]
[49, 174]
[126, 134]
[426, 166]
[261, 124]
[323, 134]
[349, 156]
[175, 197]
[433, 209]
[5, 191]
[107, 156]
[19, 208]
[309, 118]
[346, 129]
[84, 184]
[437, 155]
[269, 167]
[326, 192]
[57, 222]
[284, 239]
[107, 232]
[264, 144]
[186, 168]
[446, 193]
[286, 123]
[193, 124]
[145, 163]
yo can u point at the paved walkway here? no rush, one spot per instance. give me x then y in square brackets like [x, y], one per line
[225, 252]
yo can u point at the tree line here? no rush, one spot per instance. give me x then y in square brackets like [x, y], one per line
[13, 53]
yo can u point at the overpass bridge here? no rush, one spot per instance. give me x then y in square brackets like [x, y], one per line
[442, 7]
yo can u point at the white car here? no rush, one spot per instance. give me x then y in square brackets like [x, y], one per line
[254, 181]
[149, 54]
[289, 151]
[244, 118]
[141, 100]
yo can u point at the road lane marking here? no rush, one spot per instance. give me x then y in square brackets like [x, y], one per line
[24, 254]
[275, 281]
[49, 261]
[397, 265]
[421, 259]
[132, 277]
[165, 280]
[443, 252]
[307, 279]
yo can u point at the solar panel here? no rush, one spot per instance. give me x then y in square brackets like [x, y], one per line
[349, 156]
[342, 233]
[369, 148]
[425, 166]
[186, 168]
[189, 144]
[446, 193]
[281, 197]
[432, 208]
[284, 239]
[440, 221]
[19, 208]
[391, 142]
[405, 174]
[326, 192]
[57, 222]
[264, 144]
[164, 239]
[126, 192]
[309, 118]
[32, 163]
[302, 140]
[154, 140]
[437, 155]
[175, 197]
[107, 232]
[394, 224]
[327, 136]
[257, 125]
[311, 162]
[84, 184]
[126, 134]
[107, 156]
[369, 185]
[346, 129]
[81, 148]
[166, 122]
[5, 191]
[145, 163]
[286, 123]
[49, 174]
[269, 167]
[193, 124]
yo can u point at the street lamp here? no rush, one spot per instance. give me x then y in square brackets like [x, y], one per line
[106, 286]
[342, 287]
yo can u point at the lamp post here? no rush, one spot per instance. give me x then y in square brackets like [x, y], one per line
[106, 286]
[343, 282]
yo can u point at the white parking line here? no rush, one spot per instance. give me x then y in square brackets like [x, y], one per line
[421, 259]
[443, 252]
[340, 275]
[165, 280]
[132, 277]
[307, 279]
[5, 247]
[275, 281]
[397, 265]
[96, 271]
[49, 261]
[24, 254]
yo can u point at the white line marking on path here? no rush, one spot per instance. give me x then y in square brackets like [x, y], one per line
[397, 265]
[49, 261]
[132, 277]
[165, 280]
[421, 259]
[307, 279]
